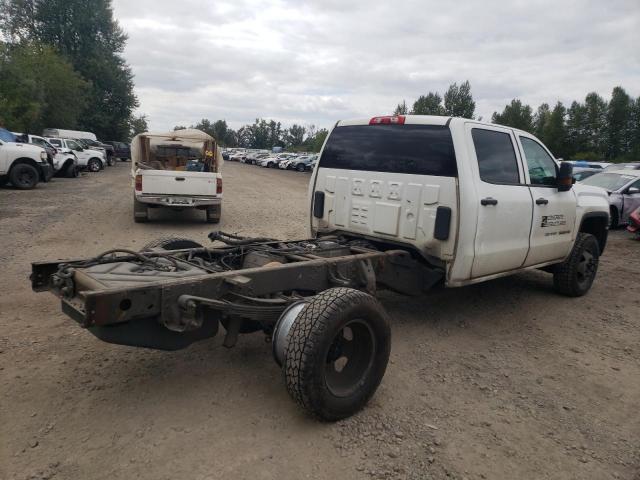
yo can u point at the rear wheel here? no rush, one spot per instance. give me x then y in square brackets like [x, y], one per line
[337, 352]
[575, 275]
[214, 214]
[140, 211]
[24, 176]
[301, 167]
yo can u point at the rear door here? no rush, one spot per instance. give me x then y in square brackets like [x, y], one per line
[184, 183]
[554, 212]
[504, 215]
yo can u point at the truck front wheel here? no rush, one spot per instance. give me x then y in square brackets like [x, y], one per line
[575, 275]
[94, 165]
[24, 176]
[337, 352]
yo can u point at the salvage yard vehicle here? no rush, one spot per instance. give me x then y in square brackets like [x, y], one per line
[397, 202]
[63, 161]
[88, 159]
[623, 187]
[22, 164]
[176, 170]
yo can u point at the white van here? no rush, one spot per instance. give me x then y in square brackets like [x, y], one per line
[72, 134]
[176, 170]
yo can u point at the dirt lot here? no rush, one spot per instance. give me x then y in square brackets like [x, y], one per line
[503, 380]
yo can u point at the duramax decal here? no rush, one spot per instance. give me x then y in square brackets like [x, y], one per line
[553, 221]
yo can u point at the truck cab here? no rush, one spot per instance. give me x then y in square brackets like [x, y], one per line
[176, 170]
[475, 199]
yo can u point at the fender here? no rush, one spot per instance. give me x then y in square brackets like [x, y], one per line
[596, 223]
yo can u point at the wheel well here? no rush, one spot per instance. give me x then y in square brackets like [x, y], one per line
[28, 161]
[596, 225]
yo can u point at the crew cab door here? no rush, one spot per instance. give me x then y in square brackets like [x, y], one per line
[554, 212]
[504, 213]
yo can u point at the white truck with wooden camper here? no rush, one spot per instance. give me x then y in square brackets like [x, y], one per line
[176, 170]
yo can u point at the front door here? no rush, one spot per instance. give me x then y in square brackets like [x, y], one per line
[504, 213]
[554, 212]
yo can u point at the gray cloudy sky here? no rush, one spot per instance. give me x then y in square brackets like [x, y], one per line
[317, 62]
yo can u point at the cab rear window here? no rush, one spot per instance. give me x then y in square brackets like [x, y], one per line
[413, 149]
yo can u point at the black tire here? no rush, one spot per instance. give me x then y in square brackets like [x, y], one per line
[140, 211]
[110, 161]
[3, 181]
[614, 218]
[70, 170]
[575, 275]
[171, 243]
[300, 167]
[319, 339]
[214, 214]
[24, 176]
[94, 165]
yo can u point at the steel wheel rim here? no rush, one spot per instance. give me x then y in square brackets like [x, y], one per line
[26, 178]
[349, 358]
[586, 267]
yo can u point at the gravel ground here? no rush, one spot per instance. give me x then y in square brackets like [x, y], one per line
[502, 380]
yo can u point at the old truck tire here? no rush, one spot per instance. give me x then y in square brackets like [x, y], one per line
[70, 170]
[171, 243]
[140, 211]
[214, 214]
[575, 275]
[337, 353]
[24, 176]
[614, 219]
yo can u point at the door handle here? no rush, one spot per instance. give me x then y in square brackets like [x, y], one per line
[179, 179]
[542, 201]
[488, 201]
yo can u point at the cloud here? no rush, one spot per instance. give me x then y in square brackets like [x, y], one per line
[320, 61]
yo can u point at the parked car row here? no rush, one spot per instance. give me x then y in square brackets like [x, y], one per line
[27, 159]
[301, 161]
[623, 186]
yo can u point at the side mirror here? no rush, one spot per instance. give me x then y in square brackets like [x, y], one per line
[565, 177]
[633, 191]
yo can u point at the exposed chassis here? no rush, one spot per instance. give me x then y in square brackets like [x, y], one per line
[173, 313]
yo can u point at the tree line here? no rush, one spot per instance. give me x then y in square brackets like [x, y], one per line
[594, 129]
[61, 66]
[264, 134]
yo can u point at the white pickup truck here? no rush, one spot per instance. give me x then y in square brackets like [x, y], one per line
[21, 164]
[399, 202]
[176, 170]
[88, 159]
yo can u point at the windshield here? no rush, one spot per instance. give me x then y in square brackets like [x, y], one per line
[7, 136]
[412, 149]
[609, 181]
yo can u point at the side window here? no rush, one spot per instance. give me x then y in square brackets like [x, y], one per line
[39, 141]
[634, 185]
[496, 156]
[55, 142]
[542, 168]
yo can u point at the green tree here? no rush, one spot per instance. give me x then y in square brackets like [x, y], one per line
[555, 131]
[294, 135]
[515, 115]
[619, 124]
[179, 127]
[85, 32]
[401, 108]
[595, 123]
[139, 125]
[39, 88]
[576, 128]
[458, 101]
[430, 104]
[540, 119]
[635, 130]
